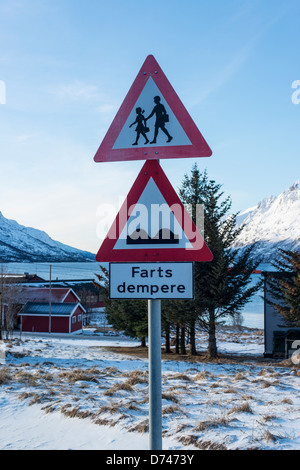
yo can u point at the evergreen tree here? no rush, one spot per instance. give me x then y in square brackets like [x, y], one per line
[222, 286]
[128, 316]
[174, 322]
[285, 286]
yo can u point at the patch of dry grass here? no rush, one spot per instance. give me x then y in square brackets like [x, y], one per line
[287, 401]
[270, 437]
[141, 427]
[170, 397]
[179, 376]
[192, 439]
[26, 377]
[242, 408]
[76, 375]
[170, 409]
[239, 376]
[212, 423]
[117, 387]
[230, 390]
[5, 375]
[202, 375]
[76, 412]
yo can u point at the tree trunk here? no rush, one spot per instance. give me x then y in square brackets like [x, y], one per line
[182, 341]
[167, 330]
[212, 343]
[193, 338]
[143, 342]
[177, 339]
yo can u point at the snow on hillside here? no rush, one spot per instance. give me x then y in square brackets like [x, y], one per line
[19, 243]
[73, 393]
[273, 223]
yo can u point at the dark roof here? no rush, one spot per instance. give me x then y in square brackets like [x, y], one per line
[279, 274]
[41, 294]
[42, 308]
[24, 278]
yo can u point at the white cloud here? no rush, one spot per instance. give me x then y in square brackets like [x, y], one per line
[80, 93]
[77, 91]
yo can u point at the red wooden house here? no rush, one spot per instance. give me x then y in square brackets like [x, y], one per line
[57, 312]
[60, 318]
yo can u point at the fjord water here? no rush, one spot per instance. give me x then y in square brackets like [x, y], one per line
[252, 314]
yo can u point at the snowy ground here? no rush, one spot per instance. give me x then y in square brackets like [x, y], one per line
[63, 393]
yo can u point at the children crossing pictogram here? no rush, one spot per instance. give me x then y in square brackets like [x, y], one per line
[164, 128]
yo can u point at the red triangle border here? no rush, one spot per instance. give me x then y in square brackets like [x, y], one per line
[199, 147]
[107, 253]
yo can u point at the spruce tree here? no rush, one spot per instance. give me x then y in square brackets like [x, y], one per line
[285, 286]
[222, 285]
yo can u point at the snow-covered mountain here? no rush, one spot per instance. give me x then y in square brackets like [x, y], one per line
[274, 223]
[19, 243]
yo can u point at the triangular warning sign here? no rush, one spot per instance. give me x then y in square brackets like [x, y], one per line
[153, 225]
[152, 123]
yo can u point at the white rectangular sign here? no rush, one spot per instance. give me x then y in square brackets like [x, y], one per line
[151, 281]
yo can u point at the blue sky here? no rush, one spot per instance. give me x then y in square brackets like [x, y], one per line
[68, 65]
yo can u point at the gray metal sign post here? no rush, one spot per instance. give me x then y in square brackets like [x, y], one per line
[149, 281]
[155, 400]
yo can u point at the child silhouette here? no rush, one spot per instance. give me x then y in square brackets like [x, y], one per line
[141, 126]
